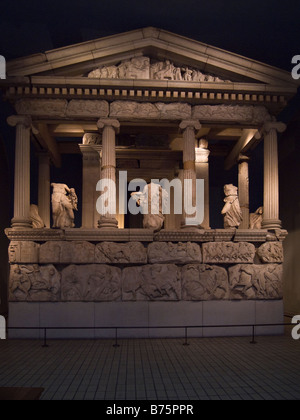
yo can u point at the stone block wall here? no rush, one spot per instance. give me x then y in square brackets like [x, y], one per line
[83, 271]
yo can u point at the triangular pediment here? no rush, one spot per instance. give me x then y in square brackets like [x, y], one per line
[192, 60]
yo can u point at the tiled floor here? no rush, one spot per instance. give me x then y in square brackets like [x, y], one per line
[150, 369]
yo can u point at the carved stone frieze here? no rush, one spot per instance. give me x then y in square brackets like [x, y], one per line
[91, 282]
[204, 282]
[237, 113]
[271, 252]
[176, 253]
[228, 252]
[42, 107]
[65, 252]
[252, 281]
[87, 108]
[151, 282]
[120, 253]
[23, 252]
[144, 68]
[160, 111]
[34, 283]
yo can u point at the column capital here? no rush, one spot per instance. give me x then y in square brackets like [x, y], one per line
[108, 122]
[91, 138]
[14, 120]
[201, 155]
[279, 126]
[194, 124]
[242, 158]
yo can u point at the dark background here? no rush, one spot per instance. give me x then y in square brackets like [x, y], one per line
[265, 30]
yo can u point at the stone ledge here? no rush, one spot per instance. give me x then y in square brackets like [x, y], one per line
[145, 235]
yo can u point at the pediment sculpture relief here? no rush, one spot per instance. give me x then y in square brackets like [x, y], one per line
[144, 68]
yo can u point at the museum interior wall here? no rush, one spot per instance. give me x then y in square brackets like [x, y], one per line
[289, 149]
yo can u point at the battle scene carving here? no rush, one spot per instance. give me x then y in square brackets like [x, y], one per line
[271, 252]
[90, 283]
[255, 281]
[228, 252]
[204, 282]
[112, 252]
[34, 283]
[145, 68]
[151, 282]
[176, 253]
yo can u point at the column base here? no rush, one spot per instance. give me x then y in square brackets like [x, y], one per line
[107, 223]
[187, 227]
[21, 223]
[271, 224]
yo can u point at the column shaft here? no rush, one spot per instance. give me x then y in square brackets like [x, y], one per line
[243, 190]
[44, 192]
[189, 173]
[271, 183]
[108, 166]
[91, 162]
[21, 219]
[202, 172]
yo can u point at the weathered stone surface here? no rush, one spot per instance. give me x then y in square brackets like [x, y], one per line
[23, 252]
[173, 111]
[43, 107]
[50, 252]
[87, 108]
[92, 282]
[252, 281]
[77, 252]
[34, 283]
[151, 282]
[204, 282]
[65, 252]
[271, 252]
[228, 252]
[177, 253]
[245, 113]
[120, 253]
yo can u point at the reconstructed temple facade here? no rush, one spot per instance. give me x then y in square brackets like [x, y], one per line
[153, 105]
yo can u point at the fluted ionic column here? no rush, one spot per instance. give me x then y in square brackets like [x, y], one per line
[189, 171]
[243, 189]
[271, 183]
[44, 192]
[21, 219]
[109, 127]
[202, 172]
[91, 169]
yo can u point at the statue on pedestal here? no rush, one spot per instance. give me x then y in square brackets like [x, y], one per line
[151, 200]
[231, 211]
[64, 202]
[36, 220]
[256, 218]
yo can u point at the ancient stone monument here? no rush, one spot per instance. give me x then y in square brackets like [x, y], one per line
[146, 105]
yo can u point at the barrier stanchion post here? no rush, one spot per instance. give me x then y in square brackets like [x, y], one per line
[253, 335]
[185, 342]
[116, 339]
[45, 338]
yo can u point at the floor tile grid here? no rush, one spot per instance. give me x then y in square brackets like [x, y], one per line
[210, 368]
